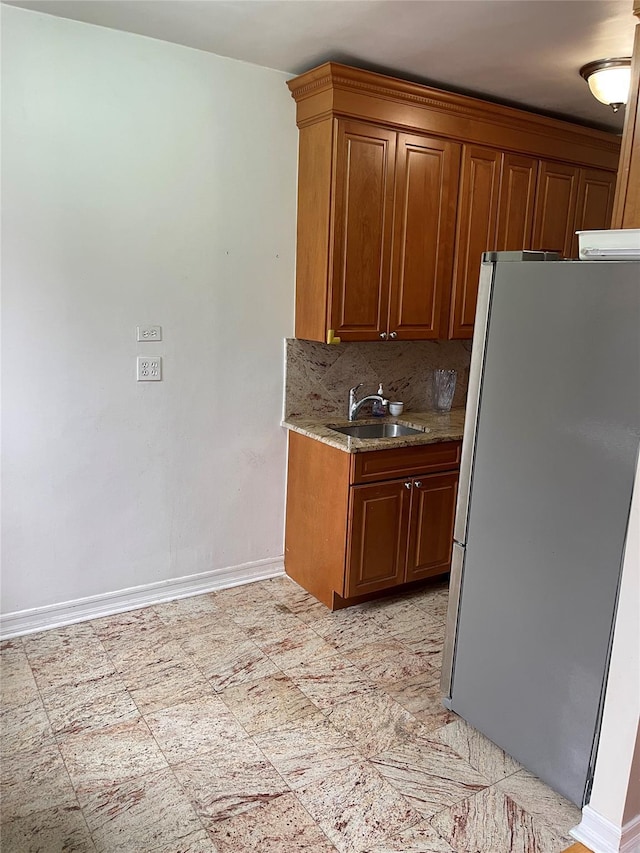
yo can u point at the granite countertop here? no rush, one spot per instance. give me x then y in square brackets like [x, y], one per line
[437, 427]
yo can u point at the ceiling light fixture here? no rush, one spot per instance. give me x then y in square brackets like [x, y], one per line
[609, 80]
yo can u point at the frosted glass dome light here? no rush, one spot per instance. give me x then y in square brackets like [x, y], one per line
[609, 80]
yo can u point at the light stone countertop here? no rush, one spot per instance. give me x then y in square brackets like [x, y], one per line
[437, 427]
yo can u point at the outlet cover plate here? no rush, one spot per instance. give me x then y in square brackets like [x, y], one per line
[148, 333]
[149, 369]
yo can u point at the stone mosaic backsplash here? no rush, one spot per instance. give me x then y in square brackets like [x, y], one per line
[318, 376]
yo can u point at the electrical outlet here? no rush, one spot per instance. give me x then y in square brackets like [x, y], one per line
[149, 333]
[149, 369]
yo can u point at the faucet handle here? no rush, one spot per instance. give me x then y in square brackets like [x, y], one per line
[352, 391]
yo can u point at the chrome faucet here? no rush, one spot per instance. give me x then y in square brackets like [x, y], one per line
[356, 405]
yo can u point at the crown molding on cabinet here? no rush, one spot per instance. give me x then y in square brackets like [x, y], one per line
[333, 89]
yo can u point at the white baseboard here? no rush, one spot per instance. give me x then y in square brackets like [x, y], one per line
[630, 840]
[602, 836]
[69, 612]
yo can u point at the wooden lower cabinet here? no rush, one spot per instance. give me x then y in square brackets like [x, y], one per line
[346, 538]
[400, 531]
[433, 507]
[377, 537]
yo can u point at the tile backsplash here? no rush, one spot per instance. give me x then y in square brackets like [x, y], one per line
[318, 376]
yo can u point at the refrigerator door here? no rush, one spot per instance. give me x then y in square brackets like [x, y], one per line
[476, 371]
[448, 652]
[473, 399]
[556, 441]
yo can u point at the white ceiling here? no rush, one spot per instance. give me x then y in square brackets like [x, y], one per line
[525, 52]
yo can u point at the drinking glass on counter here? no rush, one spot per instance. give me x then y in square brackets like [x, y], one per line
[444, 386]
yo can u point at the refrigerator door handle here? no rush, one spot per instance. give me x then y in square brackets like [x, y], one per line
[485, 290]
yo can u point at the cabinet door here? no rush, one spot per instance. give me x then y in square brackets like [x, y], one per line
[516, 204]
[424, 232]
[596, 189]
[555, 207]
[433, 506]
[377, 538]
[362, 228]
[476, 233]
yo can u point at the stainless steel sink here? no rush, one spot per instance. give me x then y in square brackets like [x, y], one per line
[376, 430]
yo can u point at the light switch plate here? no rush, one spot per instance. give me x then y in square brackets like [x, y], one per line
[149, 369]
[149, 333]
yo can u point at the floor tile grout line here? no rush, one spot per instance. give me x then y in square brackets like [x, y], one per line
[363, 758]
[272, 675]
[462, 799]
[379, 688]
[367, 614]
[209, 680]
[169, 767]
[142, 775]
[128, 692]
[290, 789]
[476, 794]
[181, 786]
[57, 743]
[535, 818]
[192, 659]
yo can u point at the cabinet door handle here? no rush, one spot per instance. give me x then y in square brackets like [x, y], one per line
[383, 335]
[393, 335]
[418, 484]
[407, 485]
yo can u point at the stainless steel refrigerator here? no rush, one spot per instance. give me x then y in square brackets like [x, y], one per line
[548, 461]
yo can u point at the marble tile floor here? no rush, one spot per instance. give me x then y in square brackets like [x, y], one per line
[253, 719]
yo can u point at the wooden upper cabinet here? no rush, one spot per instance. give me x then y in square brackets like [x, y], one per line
[315, 159]
[555, 208]
[569, 200]
[394, 225]
[402, 187]
[426, 186]
[594, 208]
[477, 214]
[515, 207]
[364, 170]
[626, 209]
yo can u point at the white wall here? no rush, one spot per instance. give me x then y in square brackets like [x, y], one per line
[614, 783]
[611, 820]
[143, 182]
